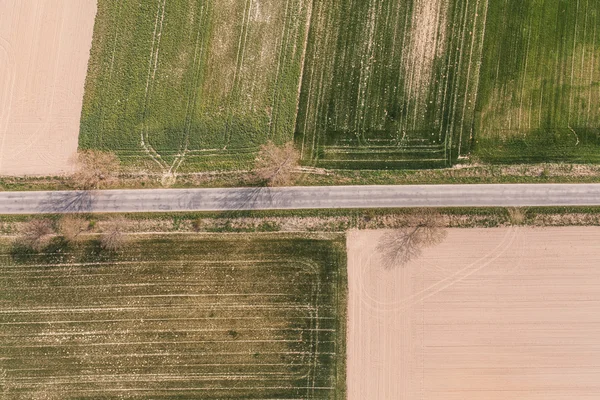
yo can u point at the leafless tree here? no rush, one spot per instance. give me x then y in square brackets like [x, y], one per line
[95, 169]
[399, 246]
[71, 227]
[113, 238]
[275, 164]
[36, 234]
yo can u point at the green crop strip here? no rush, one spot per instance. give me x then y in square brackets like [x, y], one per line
[540, 82]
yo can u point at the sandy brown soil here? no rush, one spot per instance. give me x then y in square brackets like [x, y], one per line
[427, 37]
[44, 50]
[511, 313]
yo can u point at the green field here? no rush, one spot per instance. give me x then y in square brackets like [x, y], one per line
[195, 85]
[390, 83]
[540, 82]
[178, 317]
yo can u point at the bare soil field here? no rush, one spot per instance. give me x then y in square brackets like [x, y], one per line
[44, 50]
[511, 313]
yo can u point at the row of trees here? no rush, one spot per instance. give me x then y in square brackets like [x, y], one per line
[274, 166]
[98, 169]
[37, 234]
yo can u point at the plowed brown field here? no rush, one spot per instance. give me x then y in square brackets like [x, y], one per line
[510, 313]
[44, 50]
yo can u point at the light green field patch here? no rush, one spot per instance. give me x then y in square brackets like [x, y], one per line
[193, 84]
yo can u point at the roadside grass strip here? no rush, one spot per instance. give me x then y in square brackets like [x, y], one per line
[185, 317]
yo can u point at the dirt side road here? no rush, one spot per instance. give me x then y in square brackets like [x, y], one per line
[489, 314]
[44, 50]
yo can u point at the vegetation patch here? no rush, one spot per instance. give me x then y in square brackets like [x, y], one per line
[184, 86]
[193, 85]
[183, 317]
[540, 82]
[390, 83]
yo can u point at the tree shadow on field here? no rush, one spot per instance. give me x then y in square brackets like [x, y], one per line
[56, 252]
[61, 251]
[68, 202]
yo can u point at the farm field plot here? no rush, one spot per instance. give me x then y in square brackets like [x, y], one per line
[199, 85]
[44, 50]
[390, 83]
[540, 82]
[193, 84]
[507, 313]
[178, 317]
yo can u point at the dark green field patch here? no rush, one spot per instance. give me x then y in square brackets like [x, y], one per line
[390, 83]
[183, 317]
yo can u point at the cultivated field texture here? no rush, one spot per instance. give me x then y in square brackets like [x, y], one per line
[188, 317]
[200, 85]
[390, 83]
[540, 82]
[193, 84]
[44, 50]
[493, 314]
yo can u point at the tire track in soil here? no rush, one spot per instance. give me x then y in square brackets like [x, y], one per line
[152, 66]
[238, 70]
[192, 99]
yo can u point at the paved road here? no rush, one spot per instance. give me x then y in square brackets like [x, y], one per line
[299, 198]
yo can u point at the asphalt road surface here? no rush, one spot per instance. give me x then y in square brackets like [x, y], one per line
[156, 200]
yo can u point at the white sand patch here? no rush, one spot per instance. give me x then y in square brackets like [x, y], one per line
[44, 51]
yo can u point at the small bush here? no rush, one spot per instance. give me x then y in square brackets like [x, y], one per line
[197, 224]
[113, 238]
[516, 215]
[37, 234]
[71, 227]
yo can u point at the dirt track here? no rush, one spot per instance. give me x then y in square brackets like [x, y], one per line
[489, 314]
[44, 50]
